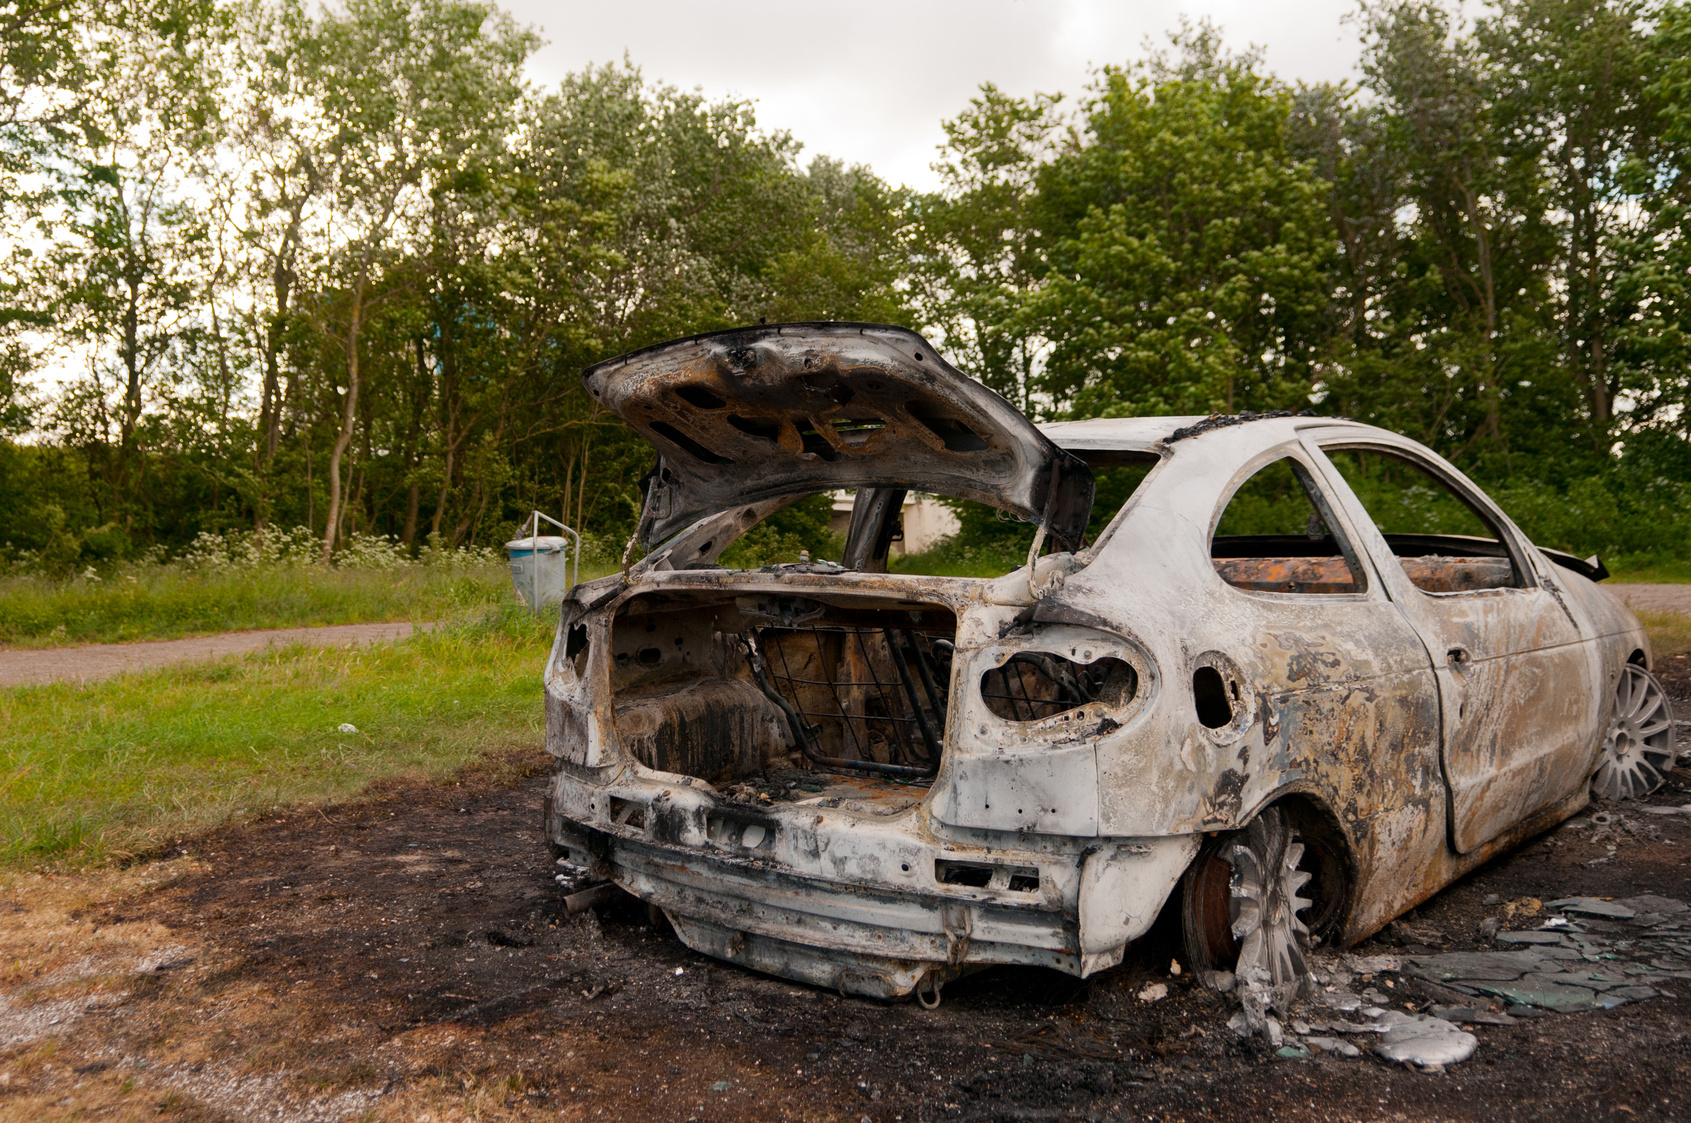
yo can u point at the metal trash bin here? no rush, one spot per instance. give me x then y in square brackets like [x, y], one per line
[540, 564]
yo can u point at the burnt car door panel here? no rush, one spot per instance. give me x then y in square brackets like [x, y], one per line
[1270, 686]
[1515, 670]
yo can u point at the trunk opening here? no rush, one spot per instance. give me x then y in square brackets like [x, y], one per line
[782, 690]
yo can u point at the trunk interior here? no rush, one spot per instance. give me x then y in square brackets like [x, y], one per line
[779, 698]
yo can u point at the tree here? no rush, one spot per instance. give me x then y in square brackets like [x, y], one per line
[130, 266]
[1568, 81]
[976, 260]
[1189, 252]
[408, 90]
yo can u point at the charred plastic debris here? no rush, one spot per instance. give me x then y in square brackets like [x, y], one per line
[877, 782]
[1584, 954]
[1538, 958]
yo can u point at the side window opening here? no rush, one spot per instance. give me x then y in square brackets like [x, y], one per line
[1445, 543]
[1275, 537]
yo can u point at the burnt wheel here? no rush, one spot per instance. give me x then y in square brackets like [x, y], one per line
[1638, 750]
[1241, 901]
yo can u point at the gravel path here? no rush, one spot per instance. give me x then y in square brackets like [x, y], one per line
[1653, 598]
[31, 666]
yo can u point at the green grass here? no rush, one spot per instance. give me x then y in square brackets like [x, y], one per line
[164, 601]
[168, 601]
[1670, 633]
[950, 560]
[117, 768]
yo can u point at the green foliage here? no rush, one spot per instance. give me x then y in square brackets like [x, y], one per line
[341, 268]
[1273, 501]
[779, 538]
[989, 542]
[1486, 248]
[1188, 248]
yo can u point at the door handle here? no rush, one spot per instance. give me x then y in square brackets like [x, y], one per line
[1458, 657]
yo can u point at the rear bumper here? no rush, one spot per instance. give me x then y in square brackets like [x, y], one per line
[859, 940]
[858, 904]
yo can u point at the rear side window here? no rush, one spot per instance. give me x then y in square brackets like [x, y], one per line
[1274, 537]
[1445, 543]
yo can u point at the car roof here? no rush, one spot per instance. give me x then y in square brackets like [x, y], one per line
[1237, 432]
[1108, 433]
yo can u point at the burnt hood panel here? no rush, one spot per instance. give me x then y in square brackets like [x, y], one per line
[794, 409]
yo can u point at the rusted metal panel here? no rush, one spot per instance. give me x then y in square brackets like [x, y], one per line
[753, 414]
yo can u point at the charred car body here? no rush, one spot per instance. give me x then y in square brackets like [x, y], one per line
[876, 781]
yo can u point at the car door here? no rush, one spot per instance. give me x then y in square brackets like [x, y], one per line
[1516, 673]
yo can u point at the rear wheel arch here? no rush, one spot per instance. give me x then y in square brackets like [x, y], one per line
[1212, 892]
[1330, 856]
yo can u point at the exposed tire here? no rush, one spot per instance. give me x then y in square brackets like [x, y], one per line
[1243, 900]
[1638, 748]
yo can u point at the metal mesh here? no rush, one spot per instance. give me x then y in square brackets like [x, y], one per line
[1033, 685]
[864, 694]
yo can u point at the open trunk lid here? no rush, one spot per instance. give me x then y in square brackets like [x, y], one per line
[784, 410]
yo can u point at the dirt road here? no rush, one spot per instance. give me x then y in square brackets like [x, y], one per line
[1653, 598]
[408, 957]
[30, 666]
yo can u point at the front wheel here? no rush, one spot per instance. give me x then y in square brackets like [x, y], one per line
[1241, 901]
[1638, 749]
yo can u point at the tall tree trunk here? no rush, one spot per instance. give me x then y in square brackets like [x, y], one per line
[349, 418]
[282, 283]
[449, 417]
[413, 492]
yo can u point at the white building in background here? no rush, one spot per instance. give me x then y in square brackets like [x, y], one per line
[926, 520]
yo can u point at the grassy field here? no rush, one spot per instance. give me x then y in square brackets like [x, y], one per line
[170, 601]
[120, 767]
[1670, 633]
[165, 602]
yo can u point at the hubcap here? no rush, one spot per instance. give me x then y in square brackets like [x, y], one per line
[1638, 750]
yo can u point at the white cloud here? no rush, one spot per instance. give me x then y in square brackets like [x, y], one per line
[870, 82]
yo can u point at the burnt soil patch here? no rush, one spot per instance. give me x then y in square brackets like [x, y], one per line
[409, 955]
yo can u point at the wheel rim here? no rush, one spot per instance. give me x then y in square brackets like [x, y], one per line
[1245, 901]
[1267, 890]
[1638, 749]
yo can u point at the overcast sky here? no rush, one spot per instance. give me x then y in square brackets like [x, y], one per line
[869, 81]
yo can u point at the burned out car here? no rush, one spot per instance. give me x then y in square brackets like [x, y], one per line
[1294, 676]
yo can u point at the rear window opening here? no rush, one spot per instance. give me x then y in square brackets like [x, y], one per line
[909, 532]
[777, 693]
[987, 542]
